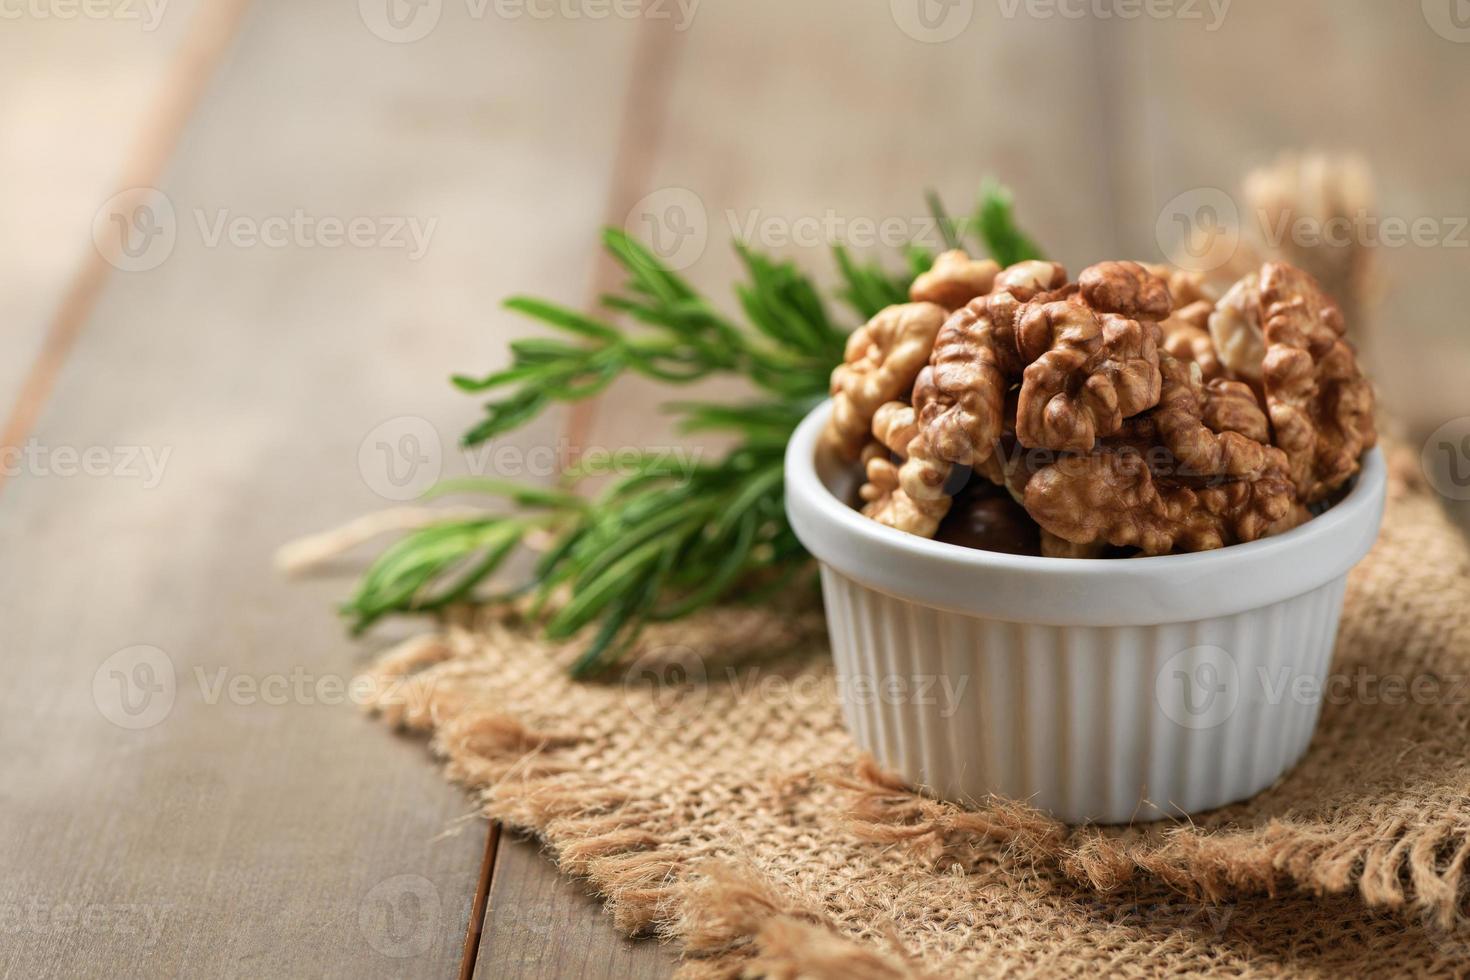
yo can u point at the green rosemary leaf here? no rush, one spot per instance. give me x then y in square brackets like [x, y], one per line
[627, 612]
[560, 316]
[867, 288]
[919, 261]
[749, 497]
[647, 274]
[996, 220]
[668, 534]
[506, 415]
[747, 417]
[521, 372]
[785, 305]
[524, 494]
[492, 559]
[403, 576]
[552, 357]
[730, 567]
[595, 594]
[628, 539]
[947, 228]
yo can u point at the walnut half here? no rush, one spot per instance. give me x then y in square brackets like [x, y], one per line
[881, 361]
[1092, 357]
[1112, 497]
[954, 280]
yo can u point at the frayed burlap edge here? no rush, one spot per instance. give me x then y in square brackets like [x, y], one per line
[1396, 862]
[730, 920]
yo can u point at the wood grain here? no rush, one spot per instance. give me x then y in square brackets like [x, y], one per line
[1199, 108]
[781, 113]
[90, 106]
[242, 837]
[266, 828]
[545, 926]
[803, 126]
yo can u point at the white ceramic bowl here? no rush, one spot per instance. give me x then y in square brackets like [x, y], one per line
[1106, 691]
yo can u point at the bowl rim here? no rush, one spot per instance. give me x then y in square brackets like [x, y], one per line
[1102, 591]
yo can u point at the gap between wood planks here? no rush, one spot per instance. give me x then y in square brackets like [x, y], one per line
[644, 110]
[200, 54]
[477, 909]
[203, 47]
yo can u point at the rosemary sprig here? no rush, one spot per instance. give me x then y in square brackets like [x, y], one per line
[663, 540]
[995, 219]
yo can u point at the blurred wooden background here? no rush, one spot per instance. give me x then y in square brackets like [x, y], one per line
[238, 833]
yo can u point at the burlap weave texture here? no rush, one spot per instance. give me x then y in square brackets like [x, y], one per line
[716, 800]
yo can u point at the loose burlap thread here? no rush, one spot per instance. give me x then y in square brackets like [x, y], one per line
[712, 796]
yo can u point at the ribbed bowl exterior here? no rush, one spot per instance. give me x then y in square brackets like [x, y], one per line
[1107, 724]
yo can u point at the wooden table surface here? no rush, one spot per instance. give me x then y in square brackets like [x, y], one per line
[189, 790]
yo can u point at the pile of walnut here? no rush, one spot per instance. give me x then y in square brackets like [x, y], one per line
[1135, 411]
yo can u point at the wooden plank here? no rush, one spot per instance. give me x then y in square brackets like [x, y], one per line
[255, 824]
[1200, 108]
[855, 119]
[474, 930]
[84, 97]
[945, 114]
[811, 153]
[541, 925]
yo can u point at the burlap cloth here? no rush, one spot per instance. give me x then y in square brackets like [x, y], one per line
[716, 801]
